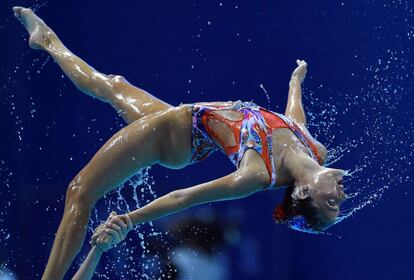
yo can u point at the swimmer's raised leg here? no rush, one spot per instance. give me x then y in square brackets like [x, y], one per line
[129, 101]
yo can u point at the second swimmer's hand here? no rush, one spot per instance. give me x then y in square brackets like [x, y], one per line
[112, 232]
[300, 71]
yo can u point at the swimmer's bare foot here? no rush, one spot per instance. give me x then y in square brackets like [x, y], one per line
[41, 36]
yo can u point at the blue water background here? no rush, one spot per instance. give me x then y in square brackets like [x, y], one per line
[360, 70]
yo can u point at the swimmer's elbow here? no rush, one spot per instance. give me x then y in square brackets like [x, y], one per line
[180, 199]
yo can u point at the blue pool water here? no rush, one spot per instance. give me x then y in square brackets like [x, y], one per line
[358, 95]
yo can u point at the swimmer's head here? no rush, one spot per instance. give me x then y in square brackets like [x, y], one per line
[313, 204]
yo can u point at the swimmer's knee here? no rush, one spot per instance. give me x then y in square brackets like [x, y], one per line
[78, 191]
[117, 78]
[118, 82]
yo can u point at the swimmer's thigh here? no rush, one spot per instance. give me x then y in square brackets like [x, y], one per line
[163, 137]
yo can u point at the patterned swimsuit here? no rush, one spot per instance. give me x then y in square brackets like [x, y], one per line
[252, 131]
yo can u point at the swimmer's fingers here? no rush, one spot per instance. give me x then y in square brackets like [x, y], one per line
[94, 238]
[116, 236]
[101, 229]
[17, 10]
[97, 232]
[105, 239]
[300, 71]
[116, 220]
[301, 62]
[111, 215]
[116, 228]
[104, 242]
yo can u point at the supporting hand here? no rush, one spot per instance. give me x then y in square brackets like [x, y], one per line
[300, 71]
[112, 232]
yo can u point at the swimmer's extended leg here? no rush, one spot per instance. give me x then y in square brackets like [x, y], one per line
[129, 101]
[162, 137]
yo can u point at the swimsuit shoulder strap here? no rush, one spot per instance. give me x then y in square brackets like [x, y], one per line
[276, 121]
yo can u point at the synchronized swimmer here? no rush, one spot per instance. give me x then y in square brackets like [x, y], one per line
[270, 151]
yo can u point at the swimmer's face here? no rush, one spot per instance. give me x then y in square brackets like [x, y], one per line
[327, 192]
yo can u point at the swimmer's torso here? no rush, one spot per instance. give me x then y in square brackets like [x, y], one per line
[237, 126]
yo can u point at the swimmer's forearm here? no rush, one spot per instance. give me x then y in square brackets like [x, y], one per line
[295, 89]
[160, 207]
[236, 185]
[88, 267]
[182, 199]
[294, 107]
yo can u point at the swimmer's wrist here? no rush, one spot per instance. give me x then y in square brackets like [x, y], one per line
[97, 250]
[294, 79]
[134, 217]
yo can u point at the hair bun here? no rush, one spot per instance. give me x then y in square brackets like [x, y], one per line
[279, 214]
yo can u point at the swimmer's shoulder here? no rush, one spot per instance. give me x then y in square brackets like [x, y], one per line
[322, 150]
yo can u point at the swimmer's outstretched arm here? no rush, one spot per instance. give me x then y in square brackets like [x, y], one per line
[232, 186]
[241, 183]
[294, 108]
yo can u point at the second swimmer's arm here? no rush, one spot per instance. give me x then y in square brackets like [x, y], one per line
[104, 237]
[236, 185]
[88, 267]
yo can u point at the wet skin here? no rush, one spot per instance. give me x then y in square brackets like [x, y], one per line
[158, 132]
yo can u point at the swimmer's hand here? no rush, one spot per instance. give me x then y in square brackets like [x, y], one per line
[300, 71]
[112, 232]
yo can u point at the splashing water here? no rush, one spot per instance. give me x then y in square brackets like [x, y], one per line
[141, 262]
[5, 191]
[267, 96]
[374, 111]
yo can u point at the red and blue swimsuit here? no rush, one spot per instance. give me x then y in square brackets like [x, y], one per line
[252, 131]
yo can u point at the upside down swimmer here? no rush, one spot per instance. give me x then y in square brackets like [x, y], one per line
[269, 150]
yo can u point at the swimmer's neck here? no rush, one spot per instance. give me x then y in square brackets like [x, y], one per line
[300, 166]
